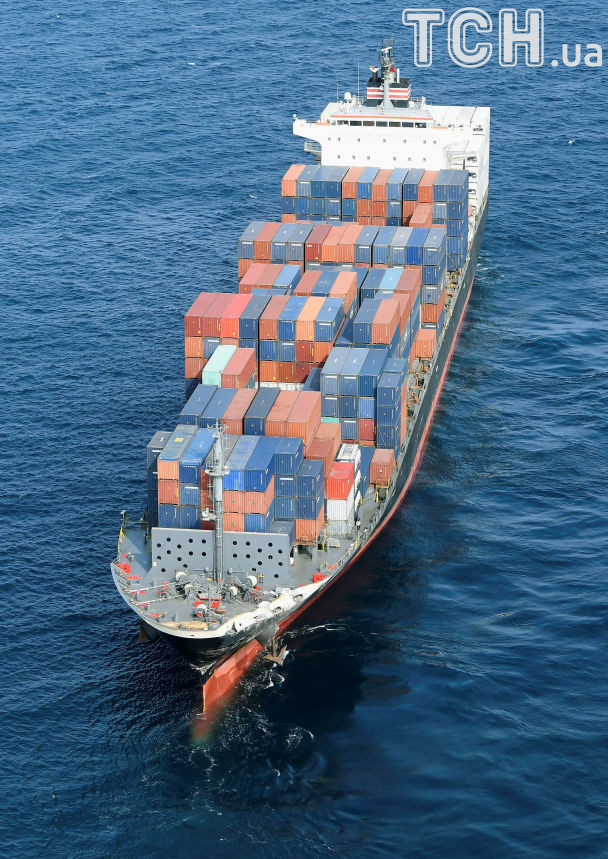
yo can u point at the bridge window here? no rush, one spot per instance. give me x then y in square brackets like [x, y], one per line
[368, 122]
[421, 125]
[394, 125]
[407, 124]
[381, 124]
[355, 122]
[342, 122]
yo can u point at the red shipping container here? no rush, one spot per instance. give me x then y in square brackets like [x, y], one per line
[405, 308]
[425, 188]
[259, 502]
[305, 323]
[193, 318]
[364, 207]
[379, 185]
[213, 315]
[314, 242]
[308, 530]
[193, 347]
[301, 372]
[307, 282]
[243, 266]
[261, 244]
[340, 480]
[305, 416]
[379, 209]
[234, 522]
[229, 323]
[269, 371]
[276, 420]
[249, 280]
[386, 321]
[240, 368]
[287, 372]
[289, 183]
[365, 221]
[382, 467]
[320, 351]
[168, 491]
[194, 367]
[321, 449]
[425, 343]
[289, 219]
[270, 273]
[330, 432]
[367, 429]
[432, 312]
[269, 320]
[345, 286]
[350, 182]
[379, 222]
[423, 215]
[233, 501]
[304, 352]
[234, 414]
[207, 525]
[410, 281]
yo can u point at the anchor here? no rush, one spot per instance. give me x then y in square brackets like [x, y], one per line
[275, 655]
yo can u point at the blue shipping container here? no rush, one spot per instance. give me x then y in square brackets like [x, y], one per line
[216, 407]
[190, 494]
[196, 405]
[364, 245]
[435, 247]
[284, 507]
[285, 484]
[411, 182]
[177, 443]
[310, 479]
[168, 516]
[259, 469]
[348, 382]
[309, 508]
[388, 392]
[381, 245]
[415, 245]
[155, 445]
[304, 181]
[362, 323]
[288, 455]
[237, 461]
[332, 369]
[364, 184]
[348, 407]
[269, 350]
[329, 319]
[189, 517]
[287, 350]
[394, 188]
[371, 372]
[259, 522]
[329, 406]
[245, 243]
[289, 314]
[192, 460]
[350, 429]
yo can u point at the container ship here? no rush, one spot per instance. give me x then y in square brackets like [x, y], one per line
[311, 388]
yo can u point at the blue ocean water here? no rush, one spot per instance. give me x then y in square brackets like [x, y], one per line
[450, 697]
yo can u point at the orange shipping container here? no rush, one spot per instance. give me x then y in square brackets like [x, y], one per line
[308, 530]
[410, 281]
[243, 266]
[289, 183]
[425, 343]
[345, 286]
[193, 347]
[168, 491]
[332, 433]
[289, 219]
[379, 185]
[350, 181]
[321, 449]
[379, 209]
[261, 244]
[382, 466]
[305, 323]
[432, 312]
[234, 522]
[423, 215]
[364, 207]
[276, 420]
[194, 367]
[329, 249]
[269, 320]
[193, 319]
[425, 188]
[233, 500]
[259, 502]
[405, 308]
[379, 222]
[229, 323]
[408, 208]
[301, 372]
[386, 321]
[305, 416]
[269, 371]
[346, 245]
[365, 221]
[287, 372]
[234, 414]
[320, 351]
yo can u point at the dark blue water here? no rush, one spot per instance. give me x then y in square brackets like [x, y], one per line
[451, 697]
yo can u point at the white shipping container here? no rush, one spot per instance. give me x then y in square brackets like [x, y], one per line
[338, 509]
[350, 453]
[340, 528]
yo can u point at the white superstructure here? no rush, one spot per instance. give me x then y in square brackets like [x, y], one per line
[412, 133]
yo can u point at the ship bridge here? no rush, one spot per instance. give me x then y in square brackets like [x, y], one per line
[400, 131]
